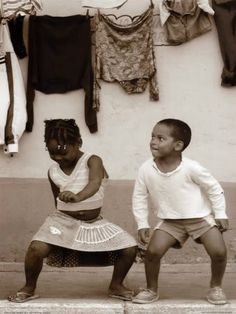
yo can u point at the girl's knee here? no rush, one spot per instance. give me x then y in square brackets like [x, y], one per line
[38, 248]
[130, 252]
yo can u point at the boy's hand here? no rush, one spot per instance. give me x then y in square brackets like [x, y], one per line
[222, 224]
[68, 197]
[144, 235]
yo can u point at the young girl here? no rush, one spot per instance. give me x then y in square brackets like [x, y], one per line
[75, 234]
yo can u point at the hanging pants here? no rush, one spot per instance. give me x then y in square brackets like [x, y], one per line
[225, 20]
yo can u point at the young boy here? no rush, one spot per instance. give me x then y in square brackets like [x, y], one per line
[189, 202]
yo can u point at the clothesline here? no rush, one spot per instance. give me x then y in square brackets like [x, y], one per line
[159, 31]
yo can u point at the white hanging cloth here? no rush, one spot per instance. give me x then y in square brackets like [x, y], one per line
[12, 95]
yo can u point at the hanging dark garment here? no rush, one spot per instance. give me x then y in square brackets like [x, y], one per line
[60, 61]
[16, 33]
[225, 20]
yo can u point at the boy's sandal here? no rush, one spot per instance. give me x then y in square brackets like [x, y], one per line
[145, 296]
[121, 295]
[22, 296]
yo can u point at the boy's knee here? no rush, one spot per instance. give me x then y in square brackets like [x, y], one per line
[219, 255]
[153, 254]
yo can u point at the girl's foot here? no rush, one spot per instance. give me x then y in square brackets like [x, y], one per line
[120, 292]
[22, 296]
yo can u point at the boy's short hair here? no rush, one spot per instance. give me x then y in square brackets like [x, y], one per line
[180, 130]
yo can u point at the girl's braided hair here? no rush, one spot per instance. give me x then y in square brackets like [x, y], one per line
[63, 131]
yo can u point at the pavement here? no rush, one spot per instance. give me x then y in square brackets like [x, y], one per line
[84, 290]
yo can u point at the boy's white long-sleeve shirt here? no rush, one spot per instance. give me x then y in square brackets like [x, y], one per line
[189, 191]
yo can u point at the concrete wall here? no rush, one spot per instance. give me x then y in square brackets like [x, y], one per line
[25, 203]
[189, 81]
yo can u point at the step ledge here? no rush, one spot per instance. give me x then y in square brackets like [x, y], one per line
[73, 306]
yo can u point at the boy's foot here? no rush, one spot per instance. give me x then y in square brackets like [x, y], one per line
[22, 296]
[145, 296]
[216, 296]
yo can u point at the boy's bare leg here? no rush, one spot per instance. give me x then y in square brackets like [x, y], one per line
[215, 246]
[159, 244]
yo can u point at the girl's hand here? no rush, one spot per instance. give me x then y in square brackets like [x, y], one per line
[68, 197]
[222, 224]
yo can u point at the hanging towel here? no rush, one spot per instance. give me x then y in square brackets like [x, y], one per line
[60, 61]
[125, 53]
[12, 95]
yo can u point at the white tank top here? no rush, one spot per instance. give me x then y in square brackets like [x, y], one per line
[75, 182]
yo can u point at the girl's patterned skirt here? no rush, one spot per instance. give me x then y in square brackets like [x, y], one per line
[82, 243]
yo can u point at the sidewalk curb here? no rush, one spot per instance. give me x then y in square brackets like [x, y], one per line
[106, 306]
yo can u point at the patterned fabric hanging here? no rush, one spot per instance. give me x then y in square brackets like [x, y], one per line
[125, 53]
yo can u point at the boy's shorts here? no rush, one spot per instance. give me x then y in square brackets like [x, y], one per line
[182, 229]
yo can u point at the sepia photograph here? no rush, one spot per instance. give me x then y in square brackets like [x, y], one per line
[117, 149]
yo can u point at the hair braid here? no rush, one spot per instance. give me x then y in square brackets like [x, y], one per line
[62, 130]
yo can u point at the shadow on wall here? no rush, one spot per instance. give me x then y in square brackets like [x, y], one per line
[25, 203]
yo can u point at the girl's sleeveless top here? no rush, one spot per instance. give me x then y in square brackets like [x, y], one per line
[75, 182]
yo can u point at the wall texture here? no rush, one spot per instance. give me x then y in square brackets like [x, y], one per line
[25, 203]
[189, 81]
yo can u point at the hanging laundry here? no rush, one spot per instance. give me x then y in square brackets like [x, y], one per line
[103, 4]
[185, 20]
[205, 6]
[125, 53]
[59, 52]
[12, 95]
[12, 8]
[225, 20]
[16, 33]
